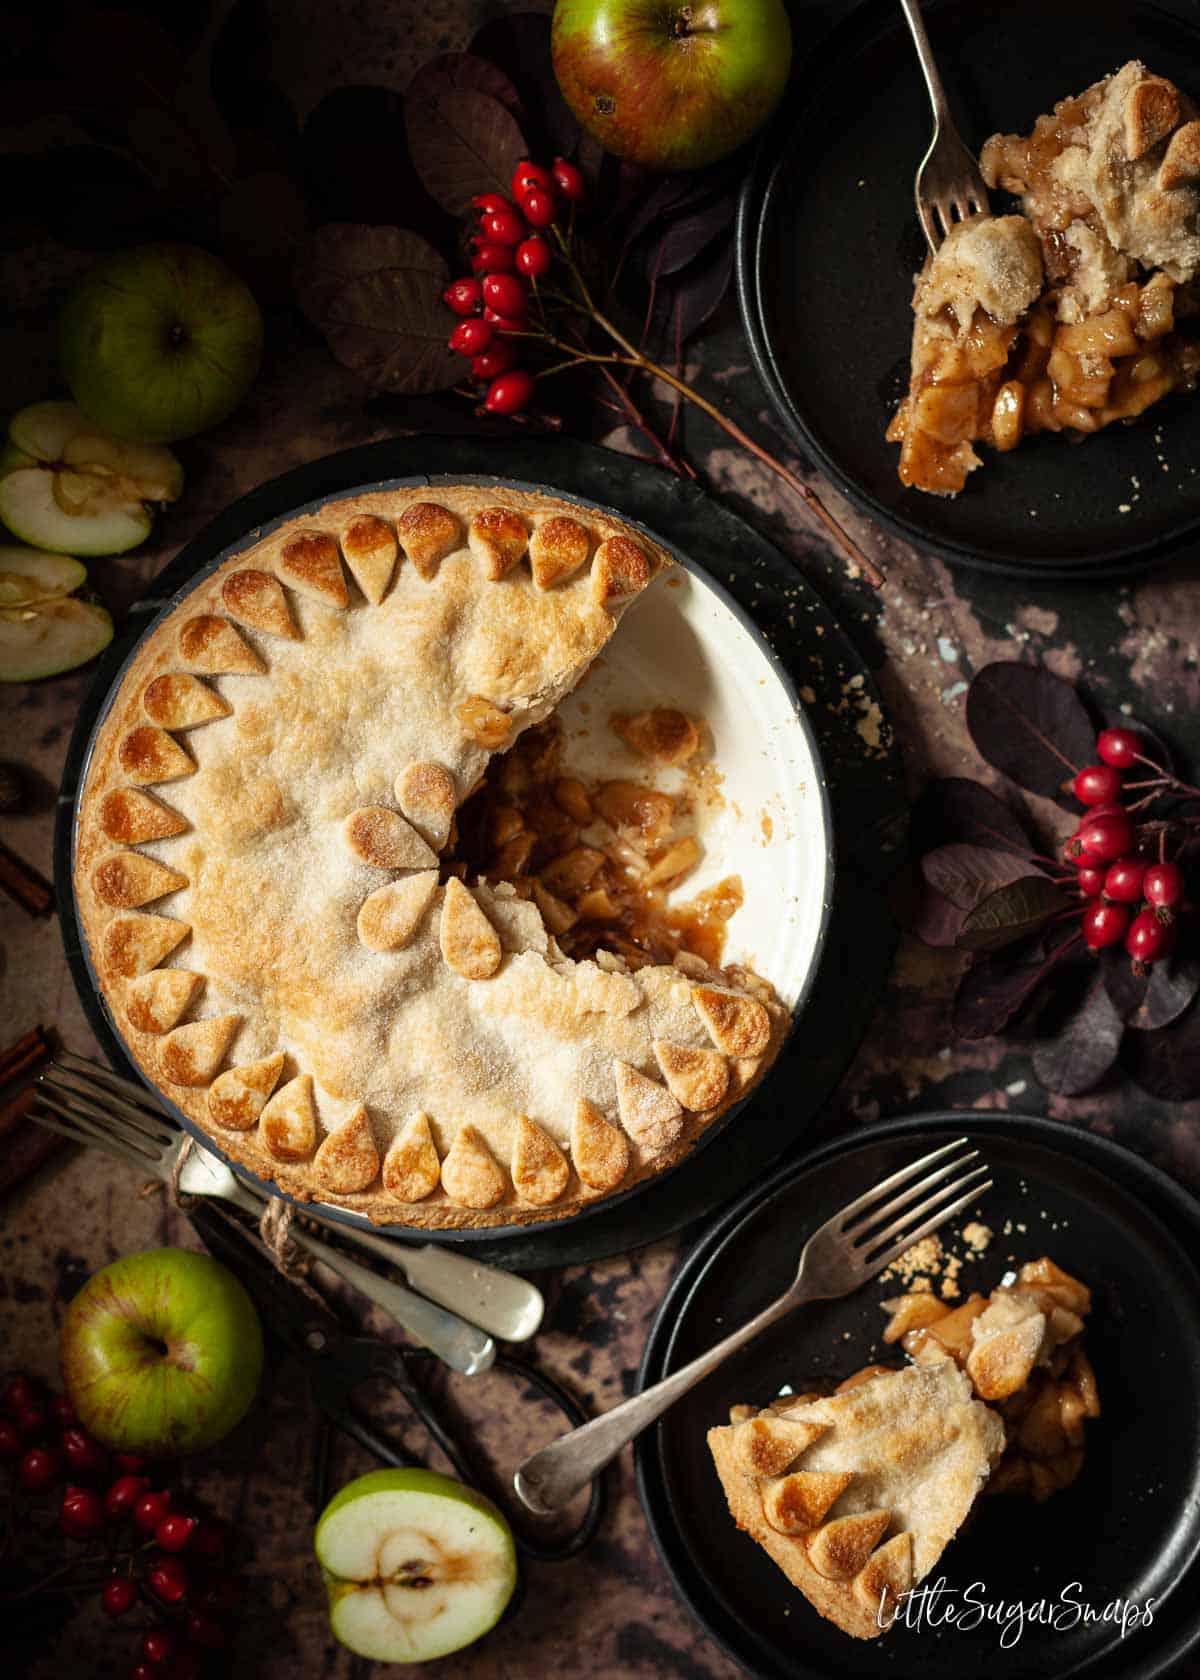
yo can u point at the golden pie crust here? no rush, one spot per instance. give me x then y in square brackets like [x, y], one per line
[855, 1495]
[258, 870]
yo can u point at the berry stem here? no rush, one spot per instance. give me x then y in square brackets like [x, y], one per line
[642, 363]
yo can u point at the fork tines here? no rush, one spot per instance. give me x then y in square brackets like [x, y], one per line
[86, 1103]
[913, 1202]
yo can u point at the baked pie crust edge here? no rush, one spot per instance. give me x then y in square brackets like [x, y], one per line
[565, 623]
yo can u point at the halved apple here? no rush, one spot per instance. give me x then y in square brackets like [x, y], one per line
[53, 636]
[31, 575]
[65, 485]
[416, 1565]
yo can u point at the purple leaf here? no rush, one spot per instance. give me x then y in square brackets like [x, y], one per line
[462, 143]
[520, 44]
[956, 808]
[922, 911]
[1031, 725]
[463, 70]
[1166, 1062]
[1170, 988]
[685, 239]
[691, 299]
[966, 874]
[995, 988]
[1011, 912]
[1085, 1046]
[1126, 990]
[375, 295]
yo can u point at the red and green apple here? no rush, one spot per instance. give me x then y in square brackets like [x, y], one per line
[667, 84]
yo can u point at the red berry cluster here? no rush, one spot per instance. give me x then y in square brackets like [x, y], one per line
[510, 252]
[1104, 851]
[140, 1529]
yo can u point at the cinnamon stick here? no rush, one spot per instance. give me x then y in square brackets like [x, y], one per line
[30, 1050]
[24, 1146]
[24, 884]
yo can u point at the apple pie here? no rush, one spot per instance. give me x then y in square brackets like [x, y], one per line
[856, 1494]
[1075, 313]
[285, 928]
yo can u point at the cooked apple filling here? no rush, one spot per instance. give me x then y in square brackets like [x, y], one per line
[599, 859]
[1022, 1348]
[1068, 317]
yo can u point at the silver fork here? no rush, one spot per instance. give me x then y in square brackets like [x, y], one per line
[846, 1252]
[948, 187]
[497, 1301]
[90, 1111]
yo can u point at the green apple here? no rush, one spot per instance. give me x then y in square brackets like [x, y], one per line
[49, 637]
[416, 1565]
[161, 1353]
[159, 342]
[667, 84]
[68, 487]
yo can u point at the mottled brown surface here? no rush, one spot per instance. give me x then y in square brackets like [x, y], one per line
[611, 1612]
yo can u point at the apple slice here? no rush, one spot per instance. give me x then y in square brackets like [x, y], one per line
[41, 641]
[31, 575]
[30, 510]
[64, 485]
[43, 430]
[154, 471]
[416, 1565]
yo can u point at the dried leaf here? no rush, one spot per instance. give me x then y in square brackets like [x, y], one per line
[1011, 912]
[464, 70]
[375, 295]
[462, 143]
[1084, 1048]
[996, 988]
[966, 874]
[1031, 725]
[520, 44]
[1166, 1063]
[956, 808]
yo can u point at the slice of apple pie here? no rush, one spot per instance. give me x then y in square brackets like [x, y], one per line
[856, 1494]
[1065, 317]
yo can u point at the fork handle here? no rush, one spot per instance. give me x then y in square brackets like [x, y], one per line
[929, 69]
[552, 1477]
[463, 1347]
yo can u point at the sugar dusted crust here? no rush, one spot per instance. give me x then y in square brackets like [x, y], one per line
[855, 1495]
[435, 1044]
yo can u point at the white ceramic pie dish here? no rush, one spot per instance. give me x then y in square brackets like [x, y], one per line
[688, 644]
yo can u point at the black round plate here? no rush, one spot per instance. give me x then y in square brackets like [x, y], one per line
[1130, 1526]
[864, 791]
[828, 244]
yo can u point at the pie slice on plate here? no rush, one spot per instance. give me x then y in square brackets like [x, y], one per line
[1066, 317]
[855, 1495]
[269, 813]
